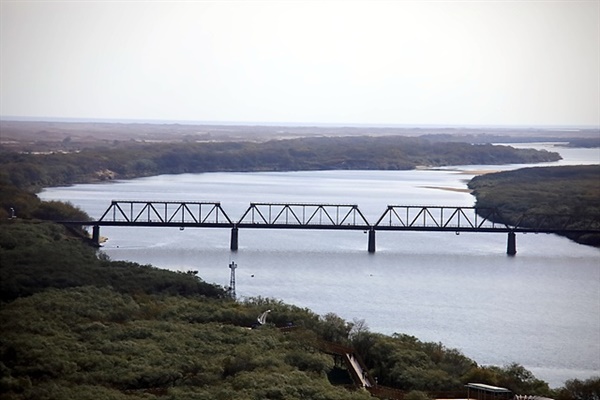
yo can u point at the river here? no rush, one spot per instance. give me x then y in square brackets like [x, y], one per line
[540, 308]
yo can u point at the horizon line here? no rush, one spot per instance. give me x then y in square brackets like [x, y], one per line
[289, 124]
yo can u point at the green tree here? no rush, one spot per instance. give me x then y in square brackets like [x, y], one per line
[576, 389]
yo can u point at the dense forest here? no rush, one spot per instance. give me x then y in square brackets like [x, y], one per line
[74, 324]
[134, 159]
[558, 191]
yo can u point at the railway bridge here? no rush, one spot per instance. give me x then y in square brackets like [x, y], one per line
[315, 216]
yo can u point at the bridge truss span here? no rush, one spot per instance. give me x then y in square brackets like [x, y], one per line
[440, 218]
[304, 215]
[316, 216]
[178, 213]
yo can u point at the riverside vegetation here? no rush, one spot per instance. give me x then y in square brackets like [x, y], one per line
[568, 190]
[74, 324]
[135, 159]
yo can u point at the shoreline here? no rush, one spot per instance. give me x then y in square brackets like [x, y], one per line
[449, 189]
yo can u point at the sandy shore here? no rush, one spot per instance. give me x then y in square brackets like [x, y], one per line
[478, 172]
[465, 190]
[458, 171]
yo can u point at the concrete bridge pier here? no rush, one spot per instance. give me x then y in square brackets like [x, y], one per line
[371, 246]
[96, 235]
[511, 246]
[233, 244]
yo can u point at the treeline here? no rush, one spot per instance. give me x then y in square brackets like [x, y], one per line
[134, 159]
[24, 204]
[585, 142]
[559, 191]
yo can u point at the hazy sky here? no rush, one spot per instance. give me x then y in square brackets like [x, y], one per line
[370, 62]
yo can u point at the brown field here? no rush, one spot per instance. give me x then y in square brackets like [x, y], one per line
[67, 136]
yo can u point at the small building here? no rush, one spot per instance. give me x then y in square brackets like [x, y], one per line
[481, 391]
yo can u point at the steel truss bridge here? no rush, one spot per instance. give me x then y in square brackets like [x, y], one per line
[191, 214]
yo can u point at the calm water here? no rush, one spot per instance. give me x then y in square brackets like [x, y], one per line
[540, 308]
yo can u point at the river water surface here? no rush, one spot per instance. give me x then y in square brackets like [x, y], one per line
[540, 308]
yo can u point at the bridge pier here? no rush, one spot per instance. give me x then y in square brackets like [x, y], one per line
[511, 246]
[233, 244]
[371, 245]
[96, 235]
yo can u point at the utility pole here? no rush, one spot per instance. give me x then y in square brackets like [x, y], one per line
[231, 290]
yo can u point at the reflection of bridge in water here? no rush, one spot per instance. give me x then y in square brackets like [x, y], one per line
[333, 217]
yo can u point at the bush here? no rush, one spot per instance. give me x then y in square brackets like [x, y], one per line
[416, 395]
[37, 256]
[60, 211]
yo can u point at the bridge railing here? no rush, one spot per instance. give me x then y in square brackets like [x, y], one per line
[165, 212]
[304, 215]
